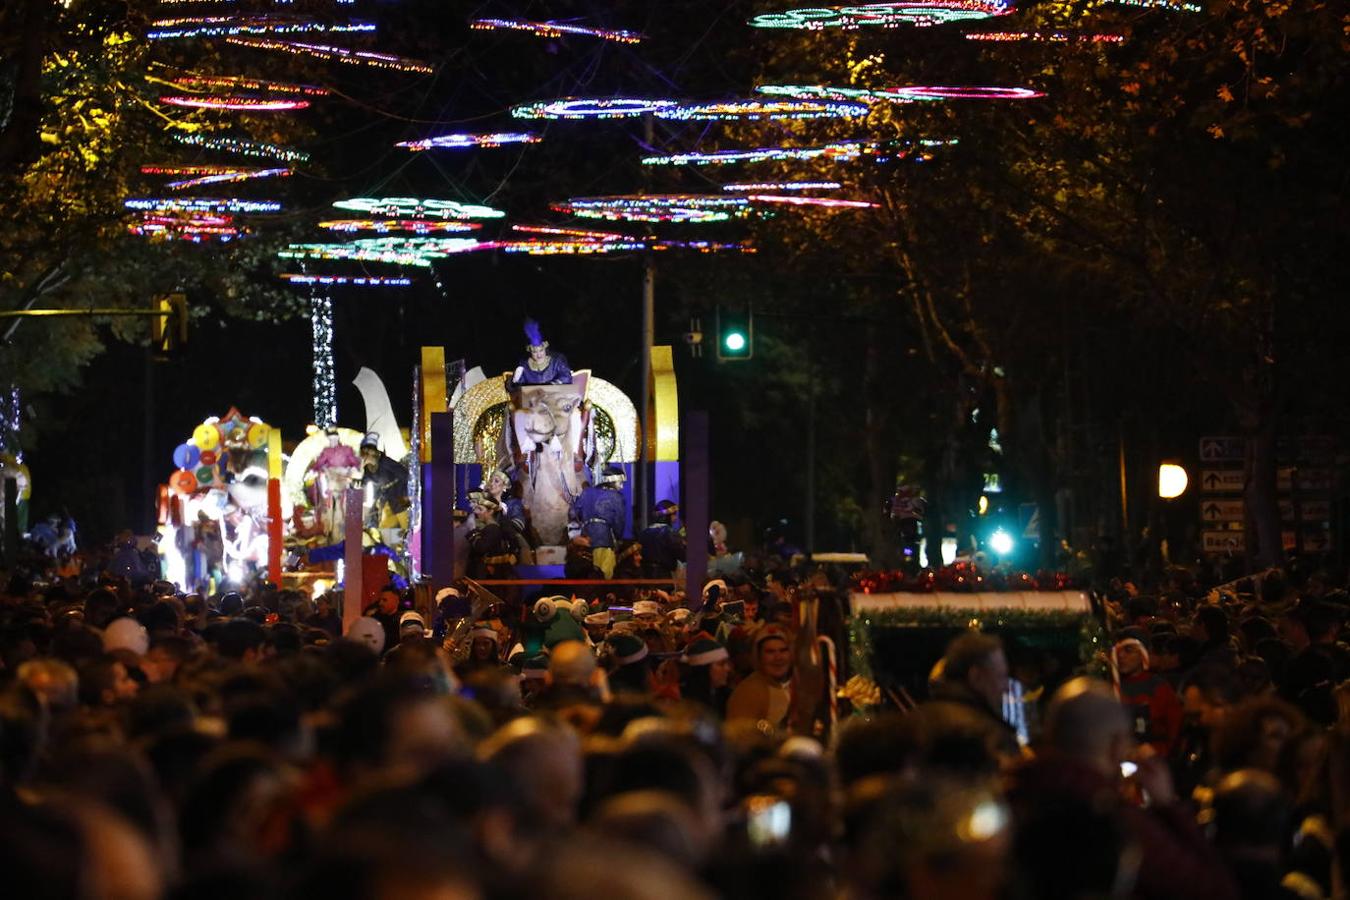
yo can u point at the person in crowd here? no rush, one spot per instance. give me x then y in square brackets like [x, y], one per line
[1151, 701]
[763, 695]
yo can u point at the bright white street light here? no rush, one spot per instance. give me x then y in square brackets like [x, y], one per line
[1172, 481]
[1001, 542]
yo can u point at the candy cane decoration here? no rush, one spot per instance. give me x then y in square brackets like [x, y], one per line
[831, 676]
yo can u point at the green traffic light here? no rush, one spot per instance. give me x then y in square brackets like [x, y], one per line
[734, 341]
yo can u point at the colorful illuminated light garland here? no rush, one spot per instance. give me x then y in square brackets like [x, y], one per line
[822, 92]
[1049, 37]
[962, 92]
[761, 186]
[338, 54]
[400, 226]
[244, 83]
[766, 109]
[202, 204]
[706, 246]
[467, 141]
[177, 170]
[256, 149]
[229, 26]
[228, 178]
[884, 15]
[237, 103]
[583, 234]
[825, 202]
[1170, 5]
[197, 229]
[357, 280]
[684, 208]
[539, 247]
[554, 30]
[419, 252]
[591, 108]
[413, 208]
[840, 150]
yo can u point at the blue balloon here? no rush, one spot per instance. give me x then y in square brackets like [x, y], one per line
[185, 456]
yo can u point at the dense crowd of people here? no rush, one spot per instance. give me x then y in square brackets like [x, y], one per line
[155, 744]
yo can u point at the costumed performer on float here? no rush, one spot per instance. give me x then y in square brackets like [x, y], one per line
[490, 547]
[498, 486]
[539, 366]
[389, 479]
[602, 513]
[663, 547]
[336, 466]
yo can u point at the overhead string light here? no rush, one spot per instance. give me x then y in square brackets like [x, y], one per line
[838, 151]
[1048, 37]
[231, 26]
[256, 149]
[920, 13]
[1168, 5]
[400, 226]
[236, 102]
[412, 207]
[582, 234]
[228, 178]
[354, 280]
[543, 247]
[591, 108]
[761, 186]
[184, 230]
[244, 83]
[824, 202]
[469, 141]
[201, 204]
[705, 246]
[733, 110]
[962, 92]
[824, 92]
[555, 30]
[337, 54]
[680, 208]
[415, 252]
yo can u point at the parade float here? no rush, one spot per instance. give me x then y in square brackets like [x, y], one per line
[900, 625]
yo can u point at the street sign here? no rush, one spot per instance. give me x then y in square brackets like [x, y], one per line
[1222, 448]
[1029, 520]
[1315, 481]
[1222, 541]
[1308, 511]
[1309, 448]
[1221, 481]
[1222, 510]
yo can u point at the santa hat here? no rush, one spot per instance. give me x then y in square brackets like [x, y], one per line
[598, 620]
[486, 632]
[627, 649]
[412, 622]
[679, 615]
[718, 585]
[1132, 642]
[704, 652]
[643, 608]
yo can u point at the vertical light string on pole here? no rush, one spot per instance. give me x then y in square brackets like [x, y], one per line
[325, 385]
[647, 445]
[10, 403]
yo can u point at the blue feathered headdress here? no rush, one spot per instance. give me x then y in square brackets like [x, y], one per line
[533, 334]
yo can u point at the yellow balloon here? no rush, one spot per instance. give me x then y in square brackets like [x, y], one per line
[257, 435]
[206, 436]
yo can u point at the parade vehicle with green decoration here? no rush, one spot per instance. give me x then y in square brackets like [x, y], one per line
[900, 625]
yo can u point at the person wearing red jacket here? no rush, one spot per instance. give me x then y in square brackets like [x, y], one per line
[1149, 699]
